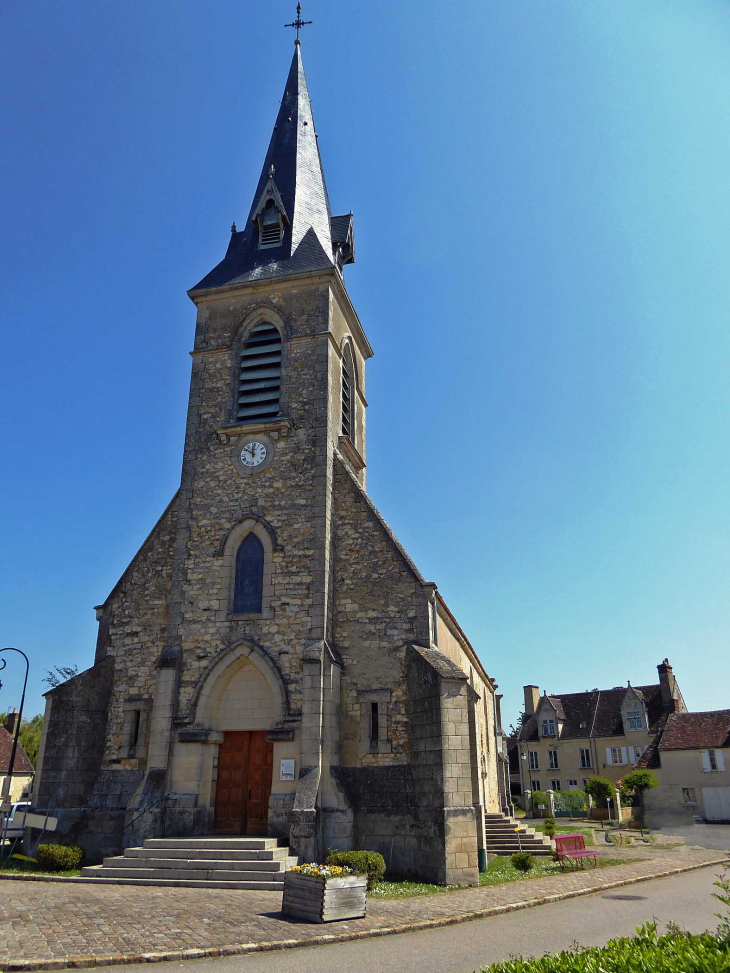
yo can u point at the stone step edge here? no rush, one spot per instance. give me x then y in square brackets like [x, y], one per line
[182, 883]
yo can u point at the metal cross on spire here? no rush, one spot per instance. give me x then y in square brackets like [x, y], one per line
[299, 23]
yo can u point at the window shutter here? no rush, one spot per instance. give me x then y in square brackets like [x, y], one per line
[705, 761]
[632, 754]
[260, 374]
[623, 755]
[720, 760]
[609, 757]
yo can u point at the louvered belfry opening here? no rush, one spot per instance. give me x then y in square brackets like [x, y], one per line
[348, 389]
[270, 226]
[260, 377]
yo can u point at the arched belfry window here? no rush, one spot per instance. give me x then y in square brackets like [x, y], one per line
[260, 375]
[248, 587]
[348, 395]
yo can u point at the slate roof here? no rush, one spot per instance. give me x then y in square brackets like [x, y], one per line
[696, 731]
[22, 761]
[596, 713]
[294, 153]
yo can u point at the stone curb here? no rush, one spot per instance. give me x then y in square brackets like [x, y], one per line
[242, 949]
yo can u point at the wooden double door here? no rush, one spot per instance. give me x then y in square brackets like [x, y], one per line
[245, 767]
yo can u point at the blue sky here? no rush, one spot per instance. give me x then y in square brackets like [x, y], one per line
[541, 211]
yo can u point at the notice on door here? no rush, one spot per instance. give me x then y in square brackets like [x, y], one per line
[287, 770]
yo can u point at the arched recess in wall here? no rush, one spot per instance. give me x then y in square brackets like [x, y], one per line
[241, 690]
[251, 541]
[259, 363]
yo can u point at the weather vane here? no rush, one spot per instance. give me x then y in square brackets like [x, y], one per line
[299, 23]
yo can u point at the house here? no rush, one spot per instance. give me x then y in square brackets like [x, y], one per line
[22, 778]
[690, 757]
[272, 662]
[567, 738]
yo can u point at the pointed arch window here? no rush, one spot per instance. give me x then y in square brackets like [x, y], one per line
[348, 395]
[259, 382]
[248, 588]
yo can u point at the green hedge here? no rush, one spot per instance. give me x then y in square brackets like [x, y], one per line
[368, 863]
[59, 858]
[677, 952]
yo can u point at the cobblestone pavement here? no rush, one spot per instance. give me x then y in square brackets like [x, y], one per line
[51, 925]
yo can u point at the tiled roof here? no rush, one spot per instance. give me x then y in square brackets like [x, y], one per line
[596, 713]
[22, 762]
[297, 173]
[695, 731]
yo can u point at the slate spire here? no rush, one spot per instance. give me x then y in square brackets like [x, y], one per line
[290, 227]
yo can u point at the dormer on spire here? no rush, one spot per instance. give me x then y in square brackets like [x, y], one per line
[270, 215]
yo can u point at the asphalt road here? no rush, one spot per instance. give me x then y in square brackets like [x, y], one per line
[591, 920]
[715, 836]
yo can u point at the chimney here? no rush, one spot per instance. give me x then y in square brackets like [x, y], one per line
[532, 699]
[10, 721]
[667, 682]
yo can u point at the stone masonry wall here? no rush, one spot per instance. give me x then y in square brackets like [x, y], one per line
[377, 602]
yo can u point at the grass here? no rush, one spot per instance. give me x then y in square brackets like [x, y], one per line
[499, 871]
[17, 867]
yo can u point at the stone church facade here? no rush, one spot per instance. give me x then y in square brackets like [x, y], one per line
[272, 661]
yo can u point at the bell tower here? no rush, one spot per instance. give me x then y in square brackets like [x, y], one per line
[277, 390]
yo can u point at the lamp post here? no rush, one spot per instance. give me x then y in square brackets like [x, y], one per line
[9, 779]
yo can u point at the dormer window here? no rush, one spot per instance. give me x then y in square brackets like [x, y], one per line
[271, 226]
[636, 720]
[548, 728]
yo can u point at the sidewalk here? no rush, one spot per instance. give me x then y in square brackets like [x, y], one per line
[52, 925]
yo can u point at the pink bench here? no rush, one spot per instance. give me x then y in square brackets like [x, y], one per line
[572, 848]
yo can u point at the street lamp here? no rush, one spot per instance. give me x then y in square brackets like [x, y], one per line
[9, 779]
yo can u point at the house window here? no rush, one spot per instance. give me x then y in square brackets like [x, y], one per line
[572, 784]
[535, 785]
[713, 759]
[553, 759]
[259, 382]
[348, 395]
[617, 756]
[271, 226]
[249, 582]
[585, 781]
[689, 795]
[555, 785]
[635, 753]
[534, 760]
[585, 757]
[636, 721]
[548, 728]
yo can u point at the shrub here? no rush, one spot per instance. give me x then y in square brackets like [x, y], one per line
[538, 798]
[676, 952]
[368, 863]
[549, 827]
[572, 801]
[522, 860]
[59, 858]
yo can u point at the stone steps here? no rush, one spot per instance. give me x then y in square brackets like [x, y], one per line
[501, 837]
[209, 861]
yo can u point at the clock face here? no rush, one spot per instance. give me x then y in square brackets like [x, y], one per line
[253, 454]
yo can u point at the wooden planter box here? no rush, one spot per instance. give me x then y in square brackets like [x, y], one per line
[324, 900]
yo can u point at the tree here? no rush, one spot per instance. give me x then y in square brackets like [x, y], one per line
[601, 790]
[514, 731]
[29, 736]
[60, 674]
[637, 782]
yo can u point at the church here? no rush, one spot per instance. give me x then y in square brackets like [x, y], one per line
[272, 662]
